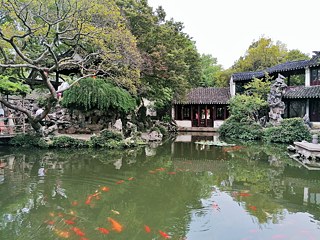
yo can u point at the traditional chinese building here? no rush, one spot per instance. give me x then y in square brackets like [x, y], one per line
[203, 109]
[302, 95]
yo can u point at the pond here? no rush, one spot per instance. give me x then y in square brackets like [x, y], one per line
[179, 190]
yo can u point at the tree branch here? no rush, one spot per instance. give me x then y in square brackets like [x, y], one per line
[19, 66]
[73, 83]
[17, 108]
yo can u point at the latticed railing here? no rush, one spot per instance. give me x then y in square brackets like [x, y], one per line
[20, 126]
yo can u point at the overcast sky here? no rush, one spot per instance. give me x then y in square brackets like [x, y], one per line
[226, 28]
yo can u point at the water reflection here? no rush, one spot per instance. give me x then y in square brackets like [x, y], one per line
[179, 188]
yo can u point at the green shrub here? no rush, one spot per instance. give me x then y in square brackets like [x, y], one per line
[107, 134]
[28, 140]
[107, 139]
[163, 130]
[246, 108]
[232, 128]
[290, 130]
[166, 118]
[68, 142]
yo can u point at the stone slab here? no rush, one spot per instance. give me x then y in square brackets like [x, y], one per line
[308, 146]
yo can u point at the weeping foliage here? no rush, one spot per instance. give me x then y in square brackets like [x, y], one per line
[98, 94]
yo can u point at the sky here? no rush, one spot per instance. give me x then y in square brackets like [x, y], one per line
[226, 28]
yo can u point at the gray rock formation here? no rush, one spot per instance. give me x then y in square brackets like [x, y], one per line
[276, 104]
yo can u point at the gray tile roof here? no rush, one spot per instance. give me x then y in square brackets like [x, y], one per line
[283, 67]
[289, 66]
[242, 76]
[302, 92]
[206, 96]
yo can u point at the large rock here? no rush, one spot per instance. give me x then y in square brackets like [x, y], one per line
[152, 136]
[71, 130]
[95, 127]
[118, 125]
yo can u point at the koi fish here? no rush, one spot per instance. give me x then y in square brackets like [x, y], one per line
[120, 181]
[69, 222]
[83, 238]
[103, 230]
[60, 215]
[163, 234]
[105, 189]
[74, 203]
[244, 194]
[49, 222]
[253, 208]
[230, 149]
[88, 201]
[115, 212]
[78, 231]
[63, 234]
[147, 228]
[72, 213]
[96, 194]
[130, 178]
[160, 169]
[171, 173]
[51, 214]
[215, 206]
[115, 225]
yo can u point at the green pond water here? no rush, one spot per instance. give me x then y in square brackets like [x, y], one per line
[178, 190]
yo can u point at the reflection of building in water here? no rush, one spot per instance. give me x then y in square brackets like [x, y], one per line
[311, 197]
[196, 136]
[302, 186]
[184, 145]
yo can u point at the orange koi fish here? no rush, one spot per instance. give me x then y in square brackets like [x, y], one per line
[163, 234]
[244, 194]
[88, 201]
[74, 203]
[120, 181]
[49, 222]
[115, 225]
[130, 178]
[103, 230]
[171, 173]
[69, 222]
[147, 229]
[105, 189]
[78, 231]
[253, 208]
